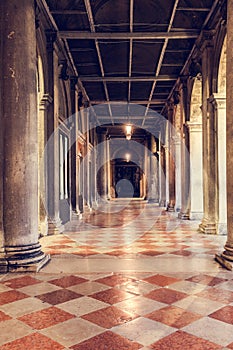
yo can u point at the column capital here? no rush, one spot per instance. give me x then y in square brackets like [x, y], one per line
[63, 67]
[45, 101]
[206, 39]
[218, 101]
[194, 126]
[176, 140]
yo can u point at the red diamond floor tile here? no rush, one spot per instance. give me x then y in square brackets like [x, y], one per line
[161, 280]
[34, 341]
[21, 282]
[173, 316]
[111, 296]
[68, 281]
[109, 317]
[107, 341]
[225, 314]
[167, 296]
[58, 296]
[182, 341]
[114, 280]
[11, 296]
[46, 318]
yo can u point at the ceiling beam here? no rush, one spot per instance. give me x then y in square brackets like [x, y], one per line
[124, 103]
[201, 9]
[126, 79]
[74, 34]
[67, 12]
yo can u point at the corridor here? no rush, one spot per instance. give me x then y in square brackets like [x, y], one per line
[122, 278]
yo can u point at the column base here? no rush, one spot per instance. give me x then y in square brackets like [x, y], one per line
[170, 207]
[3, 262]
[28, 258]
[208, 228]
[55, 227]
[183, 216]
[162, 203]
[223, 261]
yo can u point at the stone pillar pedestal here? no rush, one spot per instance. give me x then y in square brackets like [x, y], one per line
[196, 170]
[22, 252]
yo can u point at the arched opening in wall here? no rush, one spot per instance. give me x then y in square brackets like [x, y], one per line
[195, 148]
[220, 108]
[64, 152]
[128, 178]
[42, 101]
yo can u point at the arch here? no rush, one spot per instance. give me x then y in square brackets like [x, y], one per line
[222, 70]
[196, 101]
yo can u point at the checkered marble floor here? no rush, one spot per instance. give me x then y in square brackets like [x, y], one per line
[88, 306]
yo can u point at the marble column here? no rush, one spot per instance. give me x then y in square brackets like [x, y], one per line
[228, 252]
[177, 146]
[196, 170]
[52, 147]
[185, 166]
[209, 221]
[162, 177]
[44, 103]
[219, 104]
[19, 106]
[3, 262]
[171, 174]
[73, 141]
[102, 166]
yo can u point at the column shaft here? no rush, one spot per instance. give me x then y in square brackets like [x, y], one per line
[228, 253]
[19, 96]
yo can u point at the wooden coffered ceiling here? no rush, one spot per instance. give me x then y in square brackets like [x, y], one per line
[129, 51]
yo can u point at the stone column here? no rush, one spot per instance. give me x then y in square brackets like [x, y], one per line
[44, 103]
[162, 177]
[19, 105]
[171, 175]
[177, 146]
[196, 170]
[73, 140]
[219, 105]
[3, 262]
[228, 253]
[102, 167]
[209, 221]
[52, 148]
[185, 166]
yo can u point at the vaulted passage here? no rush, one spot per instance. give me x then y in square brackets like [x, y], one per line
[116, 187]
